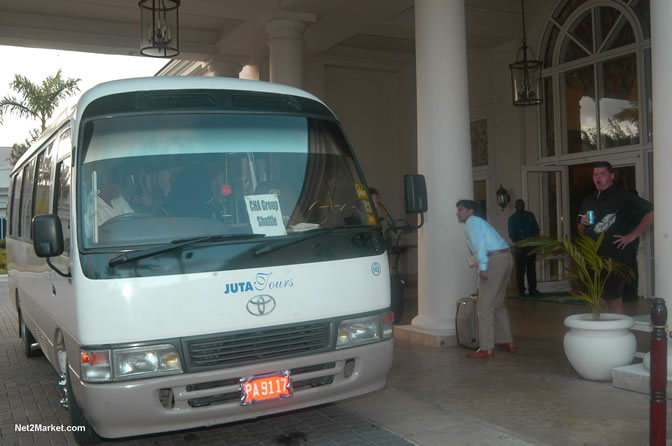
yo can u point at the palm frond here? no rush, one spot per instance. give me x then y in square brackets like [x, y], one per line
[37, 101]
[11, 105]
[587, 266]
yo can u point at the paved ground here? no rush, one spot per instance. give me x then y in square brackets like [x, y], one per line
[434, 397]
[29, 397]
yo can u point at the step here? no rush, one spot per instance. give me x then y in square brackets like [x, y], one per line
[642, 323]
[636, 378]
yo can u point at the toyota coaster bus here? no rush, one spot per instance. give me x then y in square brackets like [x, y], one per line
[195, 251]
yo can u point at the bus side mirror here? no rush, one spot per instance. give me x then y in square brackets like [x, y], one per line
[47, 235]
[415, 192]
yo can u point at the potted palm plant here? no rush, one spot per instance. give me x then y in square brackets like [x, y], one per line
[597, 342]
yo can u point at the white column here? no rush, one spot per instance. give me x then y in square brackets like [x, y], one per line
[250, 72]
[444, 157]
[225, 67]
[661, 67]
[661, 64]
[286, 47]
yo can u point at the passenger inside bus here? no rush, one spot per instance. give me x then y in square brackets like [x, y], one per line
[110, 201]
[190, 195]
[146, 191]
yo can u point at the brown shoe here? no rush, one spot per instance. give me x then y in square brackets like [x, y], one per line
[508, 346]
[481, 354]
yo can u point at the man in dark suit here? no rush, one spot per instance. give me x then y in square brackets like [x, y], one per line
[523, 224]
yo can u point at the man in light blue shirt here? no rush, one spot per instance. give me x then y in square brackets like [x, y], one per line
[494, 261]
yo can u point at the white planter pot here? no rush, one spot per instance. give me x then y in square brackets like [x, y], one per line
[594, 348]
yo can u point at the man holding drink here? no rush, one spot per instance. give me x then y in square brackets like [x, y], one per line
[612, 210]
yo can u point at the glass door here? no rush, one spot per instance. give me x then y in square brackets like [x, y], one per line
[630, 176]
[545, 194]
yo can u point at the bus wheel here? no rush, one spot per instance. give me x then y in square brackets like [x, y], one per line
[84, 433]
[27, 338]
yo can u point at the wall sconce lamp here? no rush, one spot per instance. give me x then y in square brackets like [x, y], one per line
[525, 73]
[159, 32]
[503, 197]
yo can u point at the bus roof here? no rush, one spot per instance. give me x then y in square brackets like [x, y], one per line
[186, 83]
[159, 83]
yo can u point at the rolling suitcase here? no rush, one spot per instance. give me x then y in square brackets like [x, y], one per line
[466, 323]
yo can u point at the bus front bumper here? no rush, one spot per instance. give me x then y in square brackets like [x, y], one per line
[191, 400]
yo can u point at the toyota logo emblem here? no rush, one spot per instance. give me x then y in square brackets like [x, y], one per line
[261, 305]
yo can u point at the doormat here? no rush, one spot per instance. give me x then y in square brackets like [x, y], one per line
[556, 298]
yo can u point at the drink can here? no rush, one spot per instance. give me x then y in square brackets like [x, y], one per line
[591, 217]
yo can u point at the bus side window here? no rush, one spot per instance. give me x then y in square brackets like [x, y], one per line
[43, 182]
[25, 216]
[14, 206]
[62, 200]
[64, 144]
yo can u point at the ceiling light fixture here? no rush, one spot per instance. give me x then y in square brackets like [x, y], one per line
[159, 32]
[525, 73]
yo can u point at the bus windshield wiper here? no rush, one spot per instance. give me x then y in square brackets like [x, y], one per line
[268, 247]
[175, 244]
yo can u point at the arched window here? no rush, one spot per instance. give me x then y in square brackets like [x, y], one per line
[596, 77]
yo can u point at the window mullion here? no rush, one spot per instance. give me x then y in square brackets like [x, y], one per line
[573, 39]
[559, 108]
[598, 94]
[642, 86]
[611, 32]
[597, 25]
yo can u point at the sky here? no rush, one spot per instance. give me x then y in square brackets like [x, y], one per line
[36, 64]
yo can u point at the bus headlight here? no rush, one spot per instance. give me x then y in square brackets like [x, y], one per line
[363, 330]
[141, 362]
[128, 363]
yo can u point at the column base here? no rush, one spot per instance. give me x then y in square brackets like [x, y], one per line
[429, 338]
[636, 378]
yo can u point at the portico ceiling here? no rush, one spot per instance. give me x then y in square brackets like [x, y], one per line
[235, 28]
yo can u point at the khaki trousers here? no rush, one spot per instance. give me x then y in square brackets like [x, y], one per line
[494, 325]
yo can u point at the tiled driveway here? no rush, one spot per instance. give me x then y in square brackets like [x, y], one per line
[29, 398]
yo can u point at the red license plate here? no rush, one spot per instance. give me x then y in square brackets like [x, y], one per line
[264, 388]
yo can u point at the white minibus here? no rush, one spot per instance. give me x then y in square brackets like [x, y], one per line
[194, 251]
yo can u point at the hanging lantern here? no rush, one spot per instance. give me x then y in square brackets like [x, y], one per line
[159, 32]
[526, 73]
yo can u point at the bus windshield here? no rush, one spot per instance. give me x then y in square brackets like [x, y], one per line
[154, 179]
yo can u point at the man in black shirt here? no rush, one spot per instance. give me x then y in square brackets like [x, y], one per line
[616, 211]
[522, 224]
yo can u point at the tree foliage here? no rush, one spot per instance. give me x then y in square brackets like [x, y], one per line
[35, 101]
[19, 149]
[622, 129]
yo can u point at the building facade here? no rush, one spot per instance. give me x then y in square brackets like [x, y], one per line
[424, 86]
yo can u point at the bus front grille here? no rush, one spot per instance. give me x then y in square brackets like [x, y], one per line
[247, 347]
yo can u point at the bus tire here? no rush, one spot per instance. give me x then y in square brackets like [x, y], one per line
[86, 435]
[27, 339]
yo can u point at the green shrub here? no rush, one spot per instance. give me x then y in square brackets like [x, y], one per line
[3, 260]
